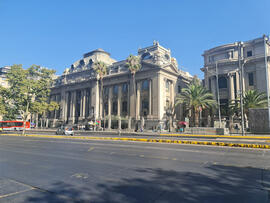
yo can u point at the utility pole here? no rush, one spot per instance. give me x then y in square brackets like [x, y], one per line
[241, 67]
[219, 113]
[265, 39]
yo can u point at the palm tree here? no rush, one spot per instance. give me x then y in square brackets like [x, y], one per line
[196, 98]
[101, 70]
[134, 65]
[251, 99]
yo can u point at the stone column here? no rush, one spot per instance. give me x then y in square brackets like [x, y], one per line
[67, 108]
[231, 86]
[206, 81]
[73, 106]
[119, 101]
[62, 106]
[110, 108]
[214, 87]
[150, 97]
[81, 105]
[84, 102]
[132, 102]
[138, 101]
[119, 106]
[237, 80]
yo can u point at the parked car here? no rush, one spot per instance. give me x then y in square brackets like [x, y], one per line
[65, 130]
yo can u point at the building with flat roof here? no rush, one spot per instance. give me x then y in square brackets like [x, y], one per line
[224, 63]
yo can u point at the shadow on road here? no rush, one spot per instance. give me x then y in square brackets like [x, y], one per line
[216, 184]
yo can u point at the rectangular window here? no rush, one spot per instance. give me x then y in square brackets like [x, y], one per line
[167, 85]
[115, 90]
[250, 79]
[179, 89]
[249, 53]
[124, 88]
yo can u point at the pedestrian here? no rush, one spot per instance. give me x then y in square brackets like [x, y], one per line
[236, 127]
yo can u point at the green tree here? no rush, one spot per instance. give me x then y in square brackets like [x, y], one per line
[134, 65]
[28, 86]
[3, 106]
[254, 99]
[196, 98]
[251, 99]
[101, 70]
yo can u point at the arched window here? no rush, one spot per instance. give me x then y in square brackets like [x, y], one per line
[82, 62]
[145, 85]
[167, 57]
[222, 82]
[72, 67]
[90, 62]
[146, 56]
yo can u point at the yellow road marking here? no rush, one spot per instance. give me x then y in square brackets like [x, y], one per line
[217, 136]
[152, 140]
[91, 149]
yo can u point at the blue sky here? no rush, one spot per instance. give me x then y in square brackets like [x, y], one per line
[55, 33]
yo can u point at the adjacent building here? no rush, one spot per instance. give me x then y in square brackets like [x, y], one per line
[224, 63]
[156, 85]
[3, 76]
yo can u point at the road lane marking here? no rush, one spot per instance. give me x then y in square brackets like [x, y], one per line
[91, 149]
[80, 175]
[189, 142]
[15, 193]
[150, 147]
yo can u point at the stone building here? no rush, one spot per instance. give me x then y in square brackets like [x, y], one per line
[3, 76]
[157, 83]
[226, 62]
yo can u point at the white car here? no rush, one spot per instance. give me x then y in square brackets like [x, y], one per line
[65, 131]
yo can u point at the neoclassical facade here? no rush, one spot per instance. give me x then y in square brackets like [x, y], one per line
[226, 62]
[78, 91]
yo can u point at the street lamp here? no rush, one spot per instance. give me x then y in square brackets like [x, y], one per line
[241, 68]
[219, 113]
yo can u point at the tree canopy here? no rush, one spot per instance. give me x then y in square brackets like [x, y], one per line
[29, 90]
[134, 63]
[196, 98]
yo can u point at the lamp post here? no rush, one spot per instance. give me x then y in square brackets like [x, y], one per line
[241, 68]
[219, 113]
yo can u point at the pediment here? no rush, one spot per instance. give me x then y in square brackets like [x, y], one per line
[171, 68]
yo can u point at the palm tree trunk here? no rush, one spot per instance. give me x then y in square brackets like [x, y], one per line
[196, 118]
[102, 106]
[135, 95]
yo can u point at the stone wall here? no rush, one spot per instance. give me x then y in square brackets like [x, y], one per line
[258, 120]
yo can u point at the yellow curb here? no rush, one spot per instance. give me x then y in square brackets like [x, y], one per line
[149, 140]
[215, 136]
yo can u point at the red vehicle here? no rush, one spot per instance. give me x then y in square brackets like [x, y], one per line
[14, 125]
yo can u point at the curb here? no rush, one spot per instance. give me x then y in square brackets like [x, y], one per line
[223, 144]
[216, 136]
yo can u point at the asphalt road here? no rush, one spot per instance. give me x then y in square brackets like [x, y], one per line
[153, 136]
[62, 170]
